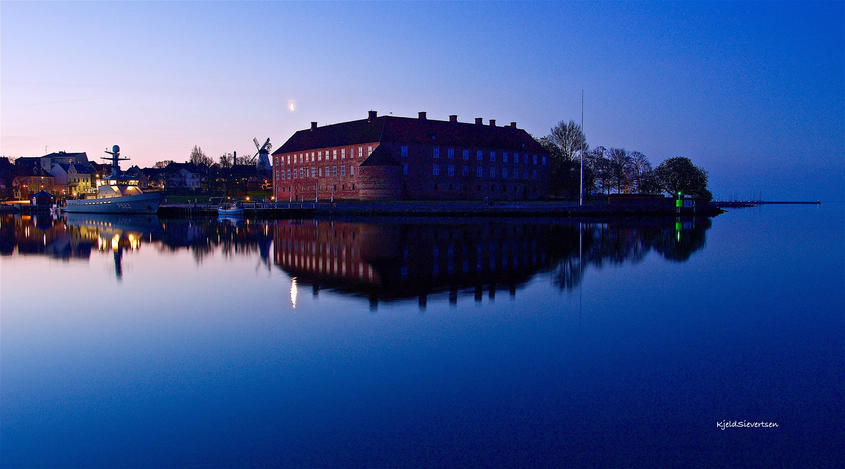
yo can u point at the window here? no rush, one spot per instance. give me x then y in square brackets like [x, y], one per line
[334, 154]
[535, 159]
[360, 152]
[435, 170]
[404, 151]
[533, 174]
[313, 172]
[478, 155]
[283, 175]
[466, 155]
[405, 169]
[505, 173]
[320, 172]
[479, 172]
[492, 156]
[544, 160]
[451, 170]
[369, 150]
[525, 158]
[343, 170]
[435, 153]
[515, 157]
[343, 153]
[504, 157]
[465, 171]
[352, 170]
[492, 172]
[288, 174]
[334, 171]
[451, 153]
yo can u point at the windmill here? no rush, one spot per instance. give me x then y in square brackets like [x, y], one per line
[262, 157]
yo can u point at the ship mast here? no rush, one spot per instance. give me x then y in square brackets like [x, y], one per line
[115, 159]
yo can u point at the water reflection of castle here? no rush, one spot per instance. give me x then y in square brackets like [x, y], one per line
[382, 260]
[388, 260]
[398, 260]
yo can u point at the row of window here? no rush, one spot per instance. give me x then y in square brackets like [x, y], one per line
[479, 155]
[321, 155]
[479, 172]
[330, 171]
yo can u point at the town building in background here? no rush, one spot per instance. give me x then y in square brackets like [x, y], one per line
[395, 158]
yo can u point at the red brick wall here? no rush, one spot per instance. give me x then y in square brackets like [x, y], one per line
[380, 183]
[419, 183]
[343, 186]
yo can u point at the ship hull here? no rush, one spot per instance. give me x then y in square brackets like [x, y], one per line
[143, 203]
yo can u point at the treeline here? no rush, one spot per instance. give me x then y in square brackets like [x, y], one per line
[615, 170]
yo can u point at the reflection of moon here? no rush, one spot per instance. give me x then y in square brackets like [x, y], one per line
[293, 292]
[291, 105]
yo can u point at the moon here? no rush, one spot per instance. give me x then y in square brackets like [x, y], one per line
[292, 105]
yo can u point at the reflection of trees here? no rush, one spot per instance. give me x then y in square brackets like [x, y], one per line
[619, 242]
[203, 236]
[390, 259]
[384, 258]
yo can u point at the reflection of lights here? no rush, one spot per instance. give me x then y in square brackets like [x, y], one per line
[293, 292]
[115, 242]
[133, 242]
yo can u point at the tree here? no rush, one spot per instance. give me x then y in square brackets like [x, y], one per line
[678, 174]
[198, 157]
[225, 160]
[639, 167]
[563, 145]
[648, 183]
[618, 165]
[569, 138]
[563, 172]
[596, 170]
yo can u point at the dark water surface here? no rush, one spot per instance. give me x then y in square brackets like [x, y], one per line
[140, 342]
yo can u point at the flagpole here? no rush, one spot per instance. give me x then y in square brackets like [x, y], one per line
[581, 188]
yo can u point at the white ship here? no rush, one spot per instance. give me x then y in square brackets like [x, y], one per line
[118, 194]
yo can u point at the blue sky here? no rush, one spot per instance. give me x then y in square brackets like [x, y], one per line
[752, 92]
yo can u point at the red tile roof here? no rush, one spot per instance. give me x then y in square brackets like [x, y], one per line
[406, 130]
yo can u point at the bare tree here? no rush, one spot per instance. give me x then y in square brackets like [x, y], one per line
[569, 138]
[620, 163]
[639, 166]
[198, 157]
[225, 160]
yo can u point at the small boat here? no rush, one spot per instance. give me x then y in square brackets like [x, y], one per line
[230, 210]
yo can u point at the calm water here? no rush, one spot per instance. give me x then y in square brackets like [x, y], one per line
[139, 342]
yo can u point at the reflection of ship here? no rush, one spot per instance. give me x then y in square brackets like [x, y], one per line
[119, 194]
[115, 232]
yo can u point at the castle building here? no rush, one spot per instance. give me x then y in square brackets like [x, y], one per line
[401, 158]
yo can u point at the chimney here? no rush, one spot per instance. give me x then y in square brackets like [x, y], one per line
[372, 115]
[479, 121]
[492, 122]
[513, 125]
[453, 118]
[422, 115]
[313, 125]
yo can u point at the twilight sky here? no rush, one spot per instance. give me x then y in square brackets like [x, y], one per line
[752, 92]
